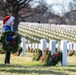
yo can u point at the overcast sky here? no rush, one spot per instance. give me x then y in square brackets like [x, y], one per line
[58, 9]
[56, 1]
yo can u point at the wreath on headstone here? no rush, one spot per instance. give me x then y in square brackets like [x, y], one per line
[37, 54]
[45, 56]
[71, 53]
[12, 46]
[54, 59]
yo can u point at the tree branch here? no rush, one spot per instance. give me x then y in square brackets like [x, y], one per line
[23, 5]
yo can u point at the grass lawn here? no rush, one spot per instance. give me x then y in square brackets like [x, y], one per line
[25, 66]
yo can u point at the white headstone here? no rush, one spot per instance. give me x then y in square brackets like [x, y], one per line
[30, 45]
[52, 47]
[74, 47]
[43, 45]
[27, 45]
[39, 46]
[64, 52]
[23, 45]
[70, 46]
[36, 45]
[58, 46]
[47, 45]
[33, 45]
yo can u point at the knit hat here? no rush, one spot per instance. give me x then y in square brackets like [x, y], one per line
[7, 20]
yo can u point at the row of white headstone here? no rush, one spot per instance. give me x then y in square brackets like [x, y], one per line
[52, 48]
[49, 26]
[37, 32]
[60, 31]
[70, 46]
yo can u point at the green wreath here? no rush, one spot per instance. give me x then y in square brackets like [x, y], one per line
[6, 45]
[55, 58]
[37, 54]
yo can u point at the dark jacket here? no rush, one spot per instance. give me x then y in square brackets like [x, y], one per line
[6, 28]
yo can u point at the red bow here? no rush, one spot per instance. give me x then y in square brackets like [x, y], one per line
[12, 43]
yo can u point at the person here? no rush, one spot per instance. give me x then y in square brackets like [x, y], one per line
[8, 23]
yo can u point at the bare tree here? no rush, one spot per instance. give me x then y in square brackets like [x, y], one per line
[70, 16]
[13, 7]
[72, 5]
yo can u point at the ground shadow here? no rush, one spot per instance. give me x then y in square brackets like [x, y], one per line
[28, 70]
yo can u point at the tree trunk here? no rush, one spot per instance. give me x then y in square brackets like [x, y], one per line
[16, 22]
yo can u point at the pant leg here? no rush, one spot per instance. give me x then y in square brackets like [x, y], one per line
[7, 57]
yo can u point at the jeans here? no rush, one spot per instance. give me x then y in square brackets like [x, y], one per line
[7, 58]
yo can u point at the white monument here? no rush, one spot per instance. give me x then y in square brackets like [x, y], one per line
[43, 45]
[64, 52]
[23, 45]
[52, 46]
